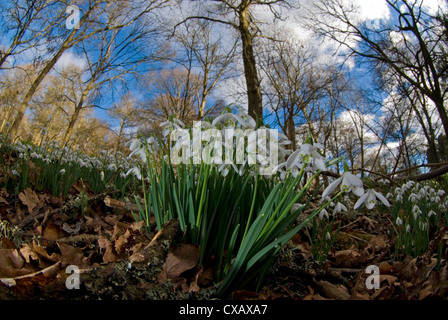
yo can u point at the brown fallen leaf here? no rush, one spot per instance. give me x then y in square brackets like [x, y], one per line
[28, 253]
[109, 254]
[43, 254]
[30, 199]
[11, 263]
[71, 255]
[337, 292]
[181, 259]
[386, 268]
[122, 241]
[52, 232]
[347, 258]
[7, 244]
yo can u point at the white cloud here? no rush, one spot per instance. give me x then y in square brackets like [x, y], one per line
[433, 6]
[69, 58]
[371, 10]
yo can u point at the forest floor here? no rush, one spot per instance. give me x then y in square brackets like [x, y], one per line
[41, 235]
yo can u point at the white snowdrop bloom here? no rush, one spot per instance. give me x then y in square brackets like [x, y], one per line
[431, 213]
[423, 226]
[416, 211]
[225, 168]
[328, 236]
[413, 197]
[398, 190]
[399, 222]
[136, 172]
[324, 213]
[102, 175]
[370, 199]
[227, 119]
[246, 120]
[169, 126]
[441, 193]
[410, 184]
[436, 199]
[389, 195]
[62, 171]
[423, 192]
[408, 228]
[349, 182]
[339, 207]
[307, 153]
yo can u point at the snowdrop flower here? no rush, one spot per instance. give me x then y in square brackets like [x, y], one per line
[62, 171]
[369, 198]
[431, 213]
[227, 119]
[324, 213]
[246, 120]
[416, 211]
[328, 236]
[169, 126]
[413, 197]
[307, 153]
[423, 226]
[349, 182]
[225, 168]
[136, 172]
[399, 222]
[441, 193]
[389, 195]
[339, 207]
[408, 228]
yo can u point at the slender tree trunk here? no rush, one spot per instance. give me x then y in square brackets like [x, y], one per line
[117, 145]
[8, 114]
[79, 106]
[250, 67]
[33, 88]
[291, 131]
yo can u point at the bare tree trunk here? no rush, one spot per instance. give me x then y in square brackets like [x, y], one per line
[13, 131]
[8, 114]
[250, 67]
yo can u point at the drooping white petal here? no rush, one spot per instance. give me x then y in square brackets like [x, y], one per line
[382, 199]
[319, 164]
[331, 187]
[371, 200]
[358, 191]
[361, 200]
[293, 159]
[352, 180]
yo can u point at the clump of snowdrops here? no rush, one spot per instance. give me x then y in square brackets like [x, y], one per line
[50, 167]
[239, 215]
[417, 212]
